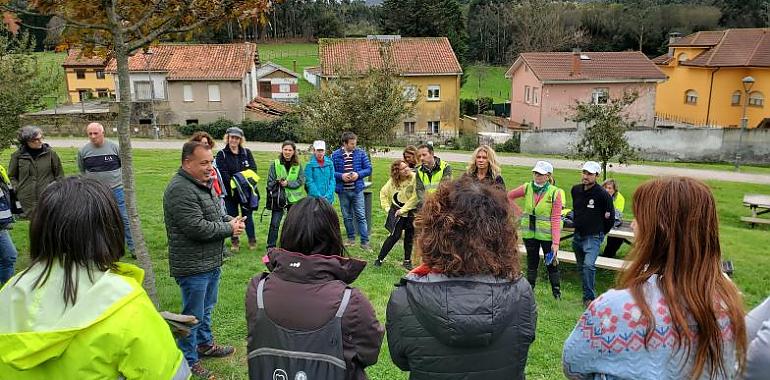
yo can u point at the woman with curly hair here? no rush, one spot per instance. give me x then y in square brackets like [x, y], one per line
[398, 199]
[466, 312]
[675, 315]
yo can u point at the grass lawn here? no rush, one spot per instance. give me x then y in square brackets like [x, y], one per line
[746, 247]
[49, 64]
[286, 54]
[486, 81]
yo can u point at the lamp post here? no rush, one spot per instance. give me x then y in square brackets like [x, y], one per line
[748, 82]
[147, 60]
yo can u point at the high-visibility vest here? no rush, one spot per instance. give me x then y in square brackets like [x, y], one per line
[431, 181]
[6, 216]
[292, 195]
[539, 213]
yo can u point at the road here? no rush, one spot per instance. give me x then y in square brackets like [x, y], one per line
[650, 170]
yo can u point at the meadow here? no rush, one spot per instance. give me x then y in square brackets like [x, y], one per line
[747, 248]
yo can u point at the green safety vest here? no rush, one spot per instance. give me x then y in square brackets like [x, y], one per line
[431, 182]
[292, 195]
[541, 230]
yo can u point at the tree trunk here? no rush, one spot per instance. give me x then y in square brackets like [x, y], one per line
[604, 170]
[127, 163]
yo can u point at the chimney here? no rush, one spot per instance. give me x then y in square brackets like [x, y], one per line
[673, 37]
[575, 62]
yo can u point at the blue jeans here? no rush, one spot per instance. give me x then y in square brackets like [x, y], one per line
[199, 295]
[275, 225]
[7, 256]
[120, 197]
[232, 207]
[586, 249]
[352, 204]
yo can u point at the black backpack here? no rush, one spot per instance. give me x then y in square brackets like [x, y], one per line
[276, 198]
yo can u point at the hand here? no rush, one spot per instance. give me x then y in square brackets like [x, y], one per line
[398, 212]
[283, 182]
[555, 249]
[354, 176]
[237, 225]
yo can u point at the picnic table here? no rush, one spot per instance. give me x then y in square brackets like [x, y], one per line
[759, 204]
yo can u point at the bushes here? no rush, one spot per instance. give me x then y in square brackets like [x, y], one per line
[513, 145]
[277, 130]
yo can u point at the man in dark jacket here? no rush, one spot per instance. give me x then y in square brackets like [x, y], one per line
[594, 217]
[196, 228]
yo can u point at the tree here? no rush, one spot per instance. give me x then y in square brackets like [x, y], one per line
[123, 27]
[370, 105]
[603, 138]
[427, 18]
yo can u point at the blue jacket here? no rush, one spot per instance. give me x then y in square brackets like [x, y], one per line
[361, 165]
[320, 180]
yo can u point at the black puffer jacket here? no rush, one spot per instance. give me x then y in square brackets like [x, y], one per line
[464, 328]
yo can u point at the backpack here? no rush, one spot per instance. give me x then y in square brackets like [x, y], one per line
[276, 198]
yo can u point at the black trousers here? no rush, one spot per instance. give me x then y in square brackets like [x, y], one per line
[405, 224]
[275, 225]
[533, 247]
[612, 246]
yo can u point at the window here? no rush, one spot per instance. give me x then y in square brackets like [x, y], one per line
[80, 74]
[434, 92]
[682, 57]
[188, 93]
[283, 88]
[410, 93]
[600, 95]
[214, 93]
[756, 99]
[535, 96]
[736, 100]
[434, 127]
[102, 92]
[143, 90]
[191, 121]
[691, 97]
[527, 94]
[99, 74]
[84, 94]
[408, 127]
[145, 121]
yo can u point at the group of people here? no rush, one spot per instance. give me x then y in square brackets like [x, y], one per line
[465, 311]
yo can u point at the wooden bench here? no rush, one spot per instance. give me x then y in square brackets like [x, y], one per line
[758, 204]
[601, 262]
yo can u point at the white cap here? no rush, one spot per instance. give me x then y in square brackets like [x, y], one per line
[543, 167]
[592, 167]
[319, 145]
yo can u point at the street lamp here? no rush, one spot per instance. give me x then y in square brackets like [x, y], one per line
[748, 82]
[147, 54]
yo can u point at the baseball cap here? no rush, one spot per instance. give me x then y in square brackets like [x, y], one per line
[235, 131]
[543, 167]
[592, 167]
[319, 145]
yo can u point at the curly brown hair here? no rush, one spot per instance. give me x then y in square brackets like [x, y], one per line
[466, 228]
[200, 135]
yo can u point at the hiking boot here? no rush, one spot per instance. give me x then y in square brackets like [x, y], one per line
[252, 245]
[366, 247]
[350, 243]
[215, 351]
[407, 264]
[586, 303]
[201, 373]
[235, 247]
[378, 263]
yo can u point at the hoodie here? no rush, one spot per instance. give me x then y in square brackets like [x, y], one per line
[473, 327]
[112, 331]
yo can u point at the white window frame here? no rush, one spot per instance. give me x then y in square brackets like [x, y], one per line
[736, 98]
[284, 88]
[187, 93]
[139, 94]
[434, 93]
[214, 94]
[410, 93]
[756, 99]
[100, 74]
[536, 96]
[600, 95]
[527, 94]
[434, 127]
[409, 127]
[691, 97]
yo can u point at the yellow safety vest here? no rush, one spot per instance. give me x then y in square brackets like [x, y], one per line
[536, 220]
[431, 181]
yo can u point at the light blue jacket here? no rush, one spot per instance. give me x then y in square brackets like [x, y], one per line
[320, 180]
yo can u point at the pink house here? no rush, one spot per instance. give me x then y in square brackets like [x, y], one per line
[545, 86]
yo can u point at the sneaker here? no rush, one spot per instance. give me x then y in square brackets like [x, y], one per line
[350, 243]
[557, 296]
[366, 247]
[215, 351]
[252, 245]
[235, 248]
[201, 373]
[407, 264]
[378, 263]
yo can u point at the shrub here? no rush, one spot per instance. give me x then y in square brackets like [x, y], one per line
[269, 131]
[513, 145]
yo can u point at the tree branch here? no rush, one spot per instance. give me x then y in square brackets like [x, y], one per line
[69, 21]
[146, 17]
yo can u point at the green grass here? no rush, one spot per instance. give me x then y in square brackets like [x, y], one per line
[746, 247]
[285, 54]
[49, 64]
[486, 81]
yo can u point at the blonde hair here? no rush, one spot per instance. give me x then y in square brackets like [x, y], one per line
[494, 167]
[240, 144]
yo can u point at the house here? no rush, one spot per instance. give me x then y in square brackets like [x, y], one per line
[263, 109]
[85, 77]
[705, 78]
[178, 84]
[546, 86]
[278, 83]
[427, 65]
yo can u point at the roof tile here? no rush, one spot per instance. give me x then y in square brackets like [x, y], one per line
[557, 66]
[75, 58]
[736, 48]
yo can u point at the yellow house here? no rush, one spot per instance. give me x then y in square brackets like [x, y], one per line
[428, 65]
[86, 78]
[706, 74]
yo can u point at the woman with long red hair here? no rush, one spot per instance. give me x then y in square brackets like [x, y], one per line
[674, 314]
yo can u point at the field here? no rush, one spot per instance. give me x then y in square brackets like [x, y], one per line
[747, 248]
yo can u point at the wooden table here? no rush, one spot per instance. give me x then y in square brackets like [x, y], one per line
[759, 204]
[623, 232]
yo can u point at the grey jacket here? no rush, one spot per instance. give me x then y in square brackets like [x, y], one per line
[758, 332]
[196, 226]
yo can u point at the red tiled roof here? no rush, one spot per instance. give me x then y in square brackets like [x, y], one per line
[664, 59]
[410, 56]
[633, 66]
[704, 38]
[194, 61]
[75, 58]
[736, 48]
[267, 109]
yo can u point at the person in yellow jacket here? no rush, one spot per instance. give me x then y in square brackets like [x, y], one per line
[619, 202]
[399, 198]
[77, 312]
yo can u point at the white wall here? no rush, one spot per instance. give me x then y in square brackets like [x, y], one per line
[158, 80]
